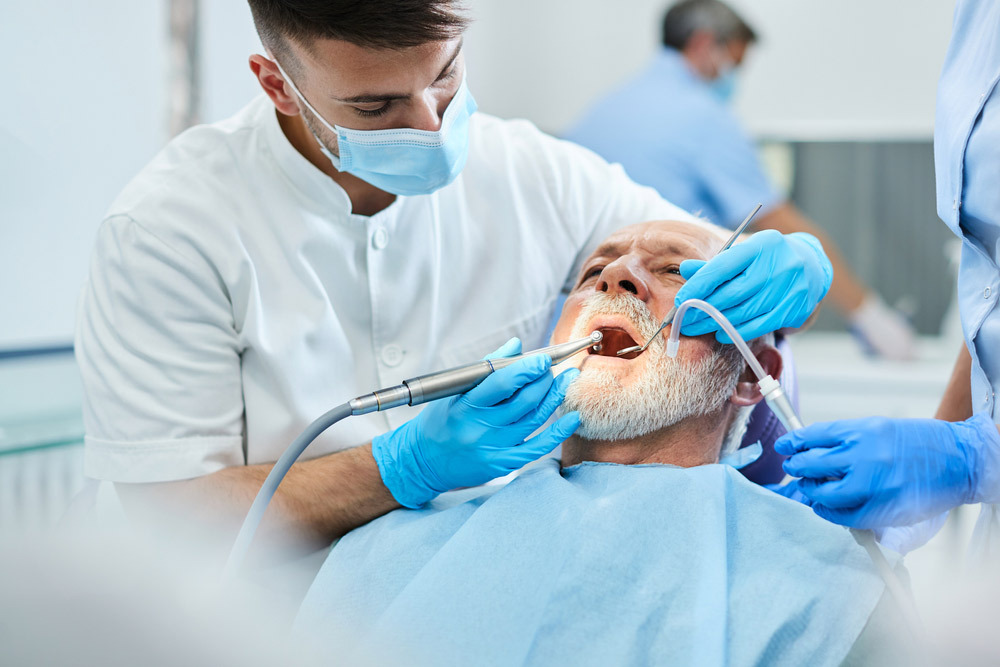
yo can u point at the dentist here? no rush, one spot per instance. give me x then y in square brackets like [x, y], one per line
[358, 223]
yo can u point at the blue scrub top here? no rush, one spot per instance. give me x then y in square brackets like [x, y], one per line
[967, 165]
[670, 131]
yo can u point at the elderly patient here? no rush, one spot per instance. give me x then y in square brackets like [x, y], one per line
[640, 547]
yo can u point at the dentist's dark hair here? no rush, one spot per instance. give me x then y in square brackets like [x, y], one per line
[379, 24]
[685, 18]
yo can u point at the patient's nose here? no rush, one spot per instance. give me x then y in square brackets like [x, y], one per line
[624, 275]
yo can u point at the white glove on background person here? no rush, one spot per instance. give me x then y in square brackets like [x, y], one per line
[882, 330]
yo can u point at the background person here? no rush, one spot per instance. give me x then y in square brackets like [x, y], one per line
[672, 128]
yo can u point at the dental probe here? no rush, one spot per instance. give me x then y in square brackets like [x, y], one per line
[673, 311]
[414, 391]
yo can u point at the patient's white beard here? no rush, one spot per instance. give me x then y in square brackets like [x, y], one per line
[664, 394]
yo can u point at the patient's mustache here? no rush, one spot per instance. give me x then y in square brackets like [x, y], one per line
[626, 305]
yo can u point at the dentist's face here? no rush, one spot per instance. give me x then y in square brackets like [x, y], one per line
[364, 88]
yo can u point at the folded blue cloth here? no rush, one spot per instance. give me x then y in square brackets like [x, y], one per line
[602, 564]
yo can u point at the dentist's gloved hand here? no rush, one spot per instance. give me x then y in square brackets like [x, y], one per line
[768, 282]
[469, 439]
[877, 472]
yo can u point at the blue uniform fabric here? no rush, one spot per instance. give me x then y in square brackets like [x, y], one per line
[967, 166]
[671, 132]
[601, 564]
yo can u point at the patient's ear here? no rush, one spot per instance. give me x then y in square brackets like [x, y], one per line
[747, 392]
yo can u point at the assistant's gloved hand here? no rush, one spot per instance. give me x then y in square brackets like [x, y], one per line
[790, 491]
[768, 282]
[878, 472]
[469, 439]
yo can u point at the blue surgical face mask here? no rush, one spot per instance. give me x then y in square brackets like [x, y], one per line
[403, 161]
[724, 85]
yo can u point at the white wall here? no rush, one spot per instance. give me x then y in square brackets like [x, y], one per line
[84, 99]
[83, 109]
[227, 40]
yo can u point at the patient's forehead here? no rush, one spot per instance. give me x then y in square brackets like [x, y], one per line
[663, 237]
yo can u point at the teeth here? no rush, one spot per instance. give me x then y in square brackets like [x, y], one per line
[615, 338]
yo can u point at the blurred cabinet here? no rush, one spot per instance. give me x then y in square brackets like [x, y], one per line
[876, 200]
[41, 440]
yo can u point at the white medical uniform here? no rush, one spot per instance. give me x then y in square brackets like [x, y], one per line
[233, 297]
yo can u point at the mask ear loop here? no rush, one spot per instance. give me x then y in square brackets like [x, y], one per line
[334, 159]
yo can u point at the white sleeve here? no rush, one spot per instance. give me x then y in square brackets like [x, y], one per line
[159, 360]
[600, 198]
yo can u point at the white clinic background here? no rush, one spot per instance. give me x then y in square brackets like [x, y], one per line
[85, 100]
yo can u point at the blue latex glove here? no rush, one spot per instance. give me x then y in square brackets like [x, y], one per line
[790, 491]
[768, 282]
[469, 439]
[878, 472]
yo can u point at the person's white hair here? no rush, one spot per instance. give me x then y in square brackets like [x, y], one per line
[741, 420]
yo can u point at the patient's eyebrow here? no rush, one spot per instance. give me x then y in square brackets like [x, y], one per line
[673, 247]
[676, 247]
[610, 249]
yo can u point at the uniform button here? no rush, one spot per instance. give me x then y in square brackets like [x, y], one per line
[392, 355]
[954, 204]
[987, 292]
[381, 238]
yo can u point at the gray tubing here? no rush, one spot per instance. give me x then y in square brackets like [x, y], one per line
[907, 605]
[278, 472]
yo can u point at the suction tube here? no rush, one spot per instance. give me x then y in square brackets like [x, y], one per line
[782, 408]
[770, 388]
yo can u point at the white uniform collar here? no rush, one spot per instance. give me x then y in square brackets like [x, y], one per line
[303, 175]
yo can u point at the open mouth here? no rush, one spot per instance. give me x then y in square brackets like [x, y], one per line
[615, 339]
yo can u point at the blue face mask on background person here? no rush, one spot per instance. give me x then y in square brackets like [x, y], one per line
[724, 85]
[403, 161]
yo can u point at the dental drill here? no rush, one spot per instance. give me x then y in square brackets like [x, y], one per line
[414, 391]
[782, 408]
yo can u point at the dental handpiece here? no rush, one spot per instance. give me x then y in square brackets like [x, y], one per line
[460, 379]
[412, 392]
[673, 311]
